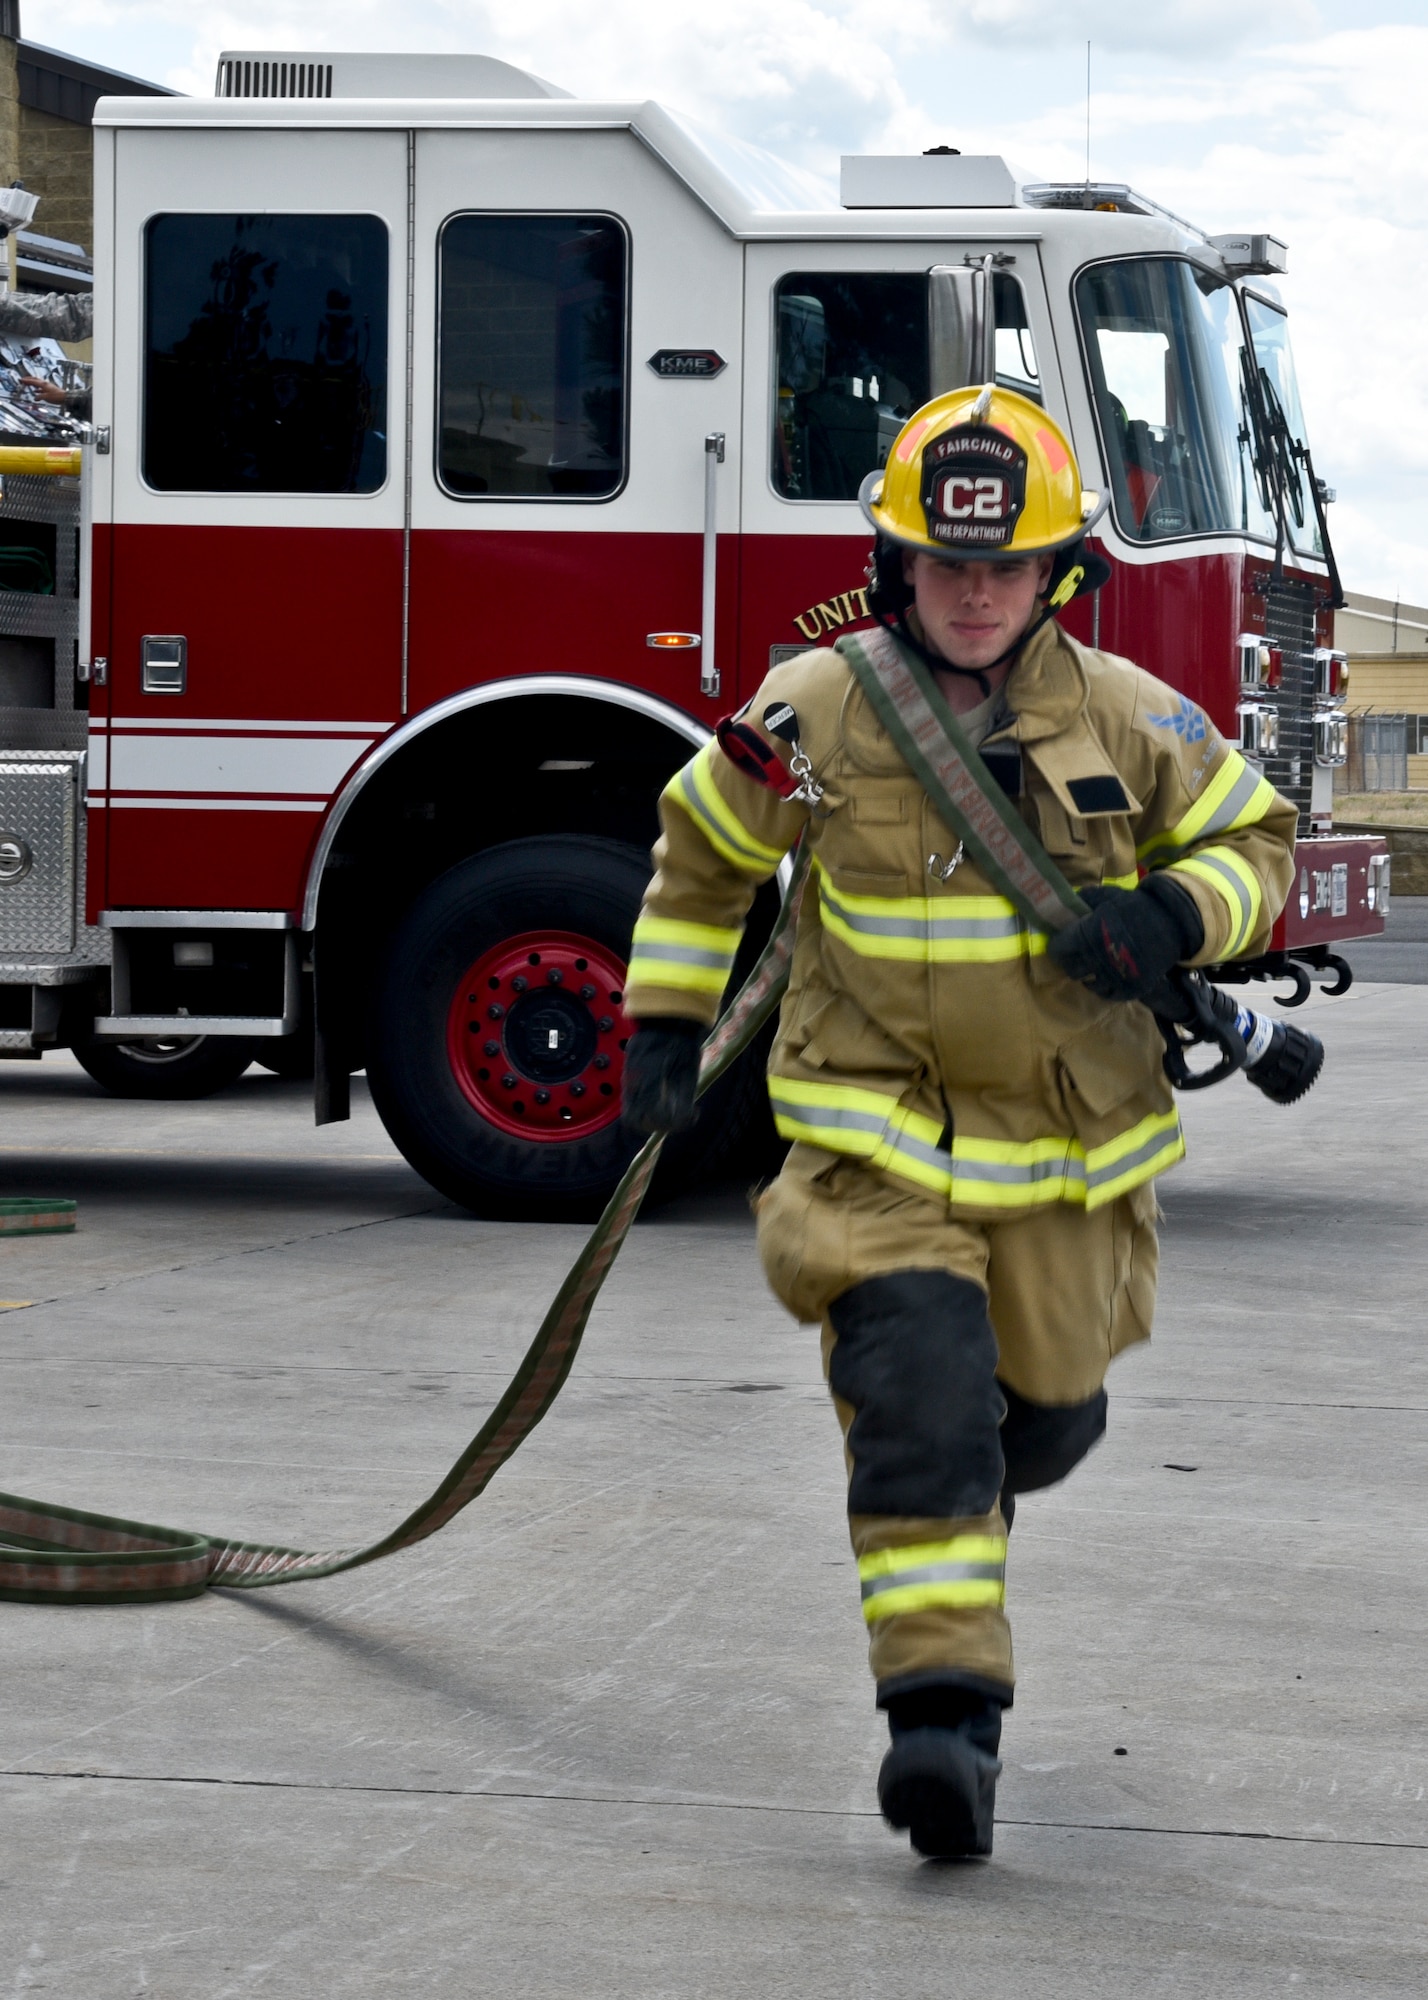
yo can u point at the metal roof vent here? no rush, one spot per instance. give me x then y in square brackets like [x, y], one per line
[248, 76]
[317, 73]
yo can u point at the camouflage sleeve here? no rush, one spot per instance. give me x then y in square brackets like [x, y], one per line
[47, 315]
[724, 833]
[1216, 823]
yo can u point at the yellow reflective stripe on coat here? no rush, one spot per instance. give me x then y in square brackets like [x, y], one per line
[694, 789]
[1235, 882]
[975, 1173]
[1236, 796]
[692, 958]
[926, 930]
[961, 1574]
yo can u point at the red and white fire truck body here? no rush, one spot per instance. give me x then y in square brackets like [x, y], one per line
[460, 460]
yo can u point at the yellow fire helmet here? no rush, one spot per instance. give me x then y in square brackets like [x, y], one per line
[980, 473]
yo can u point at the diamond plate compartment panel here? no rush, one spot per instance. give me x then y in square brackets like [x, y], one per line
[39, 805]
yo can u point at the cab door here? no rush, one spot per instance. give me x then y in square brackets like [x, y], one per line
[841, 347]
[256, 500]
[577, 319]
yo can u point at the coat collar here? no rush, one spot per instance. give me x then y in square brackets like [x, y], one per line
[1047, 689]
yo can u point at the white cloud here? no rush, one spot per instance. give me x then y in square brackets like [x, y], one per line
[1178, 27]
[1237, 115]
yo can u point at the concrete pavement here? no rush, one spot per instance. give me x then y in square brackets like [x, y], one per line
[1400, 956]
[611, 1733]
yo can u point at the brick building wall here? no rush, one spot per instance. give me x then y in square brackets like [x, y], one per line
[57, 163]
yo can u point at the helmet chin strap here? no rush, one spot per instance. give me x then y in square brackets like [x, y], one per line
[978, 674]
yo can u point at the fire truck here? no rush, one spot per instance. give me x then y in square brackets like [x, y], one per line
[461, 451]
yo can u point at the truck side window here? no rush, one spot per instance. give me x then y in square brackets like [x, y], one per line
[852, 367]
[266, 354]
[532, 369]
[1016, 357]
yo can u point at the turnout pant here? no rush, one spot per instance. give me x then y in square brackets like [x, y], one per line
[966, 1360]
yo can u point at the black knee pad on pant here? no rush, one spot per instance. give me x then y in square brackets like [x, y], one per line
[916, 1358]
[1041, 1442]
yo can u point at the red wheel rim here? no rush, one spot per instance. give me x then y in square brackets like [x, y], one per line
[536, 1036]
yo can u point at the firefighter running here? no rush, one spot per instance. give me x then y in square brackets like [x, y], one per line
[977, 1110]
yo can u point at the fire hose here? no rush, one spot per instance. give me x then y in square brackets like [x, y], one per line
[63, 1555]
[51, 1554]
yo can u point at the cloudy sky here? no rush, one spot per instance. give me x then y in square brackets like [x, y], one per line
[1305, 117]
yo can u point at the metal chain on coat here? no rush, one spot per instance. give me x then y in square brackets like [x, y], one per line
[51, 1554]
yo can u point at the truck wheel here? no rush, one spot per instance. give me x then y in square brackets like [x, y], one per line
[166, 1066]
[497, 1045]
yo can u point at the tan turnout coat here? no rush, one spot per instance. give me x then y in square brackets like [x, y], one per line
[925, 1031]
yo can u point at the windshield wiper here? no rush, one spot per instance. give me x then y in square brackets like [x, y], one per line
[1283, 463]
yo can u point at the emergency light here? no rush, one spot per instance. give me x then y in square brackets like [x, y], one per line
[1259, 729]
[1331, 673]
[1261, 665]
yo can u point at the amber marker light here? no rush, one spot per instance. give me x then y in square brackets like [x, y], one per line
[672, 642]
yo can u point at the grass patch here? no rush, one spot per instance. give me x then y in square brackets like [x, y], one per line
[1381, 809]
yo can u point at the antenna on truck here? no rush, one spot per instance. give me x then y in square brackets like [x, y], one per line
[1088, 114]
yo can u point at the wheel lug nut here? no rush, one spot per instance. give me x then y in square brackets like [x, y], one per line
[602, 1062]
[587, 993]
[495, 1013]
[520, 982]
[491, 1049]
[605, 1024]
[542, 1097]
[555, 977]
[577, 1089]
[508, 1082]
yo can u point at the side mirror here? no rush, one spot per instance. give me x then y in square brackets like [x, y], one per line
[961, 325]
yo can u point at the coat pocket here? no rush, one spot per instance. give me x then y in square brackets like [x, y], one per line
[1114, 1059]
[841, 1037]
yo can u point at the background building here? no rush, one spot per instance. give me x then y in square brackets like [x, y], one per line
[1387, 645]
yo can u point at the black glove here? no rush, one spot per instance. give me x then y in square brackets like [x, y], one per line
[661, 1071]
[1131, 939]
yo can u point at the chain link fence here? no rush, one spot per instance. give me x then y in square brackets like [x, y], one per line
[1378, 753]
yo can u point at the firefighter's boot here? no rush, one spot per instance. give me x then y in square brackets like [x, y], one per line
[938, 1782]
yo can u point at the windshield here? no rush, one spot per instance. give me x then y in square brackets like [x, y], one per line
[1170, 375]
[1269, 332]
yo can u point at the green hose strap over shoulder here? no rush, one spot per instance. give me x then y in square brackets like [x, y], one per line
[62, 1555]
[908, 703]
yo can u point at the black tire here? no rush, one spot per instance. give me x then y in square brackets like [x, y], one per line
[561, 884]
[164, 1067]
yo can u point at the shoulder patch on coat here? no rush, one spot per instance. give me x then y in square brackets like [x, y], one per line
[1186, 720]
[1098, 795]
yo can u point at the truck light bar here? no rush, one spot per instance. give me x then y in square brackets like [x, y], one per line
[1250, 256]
